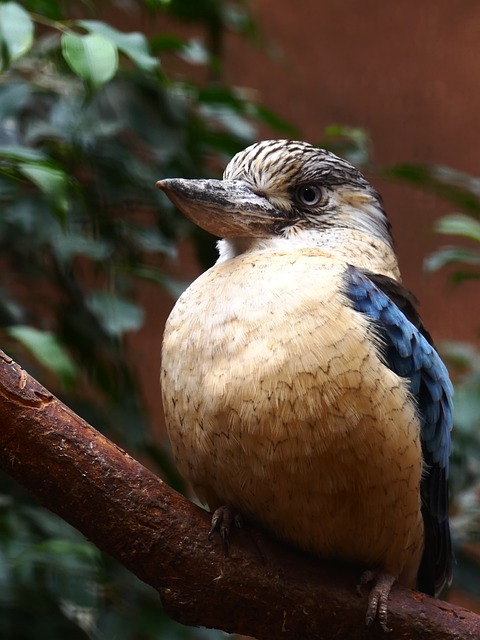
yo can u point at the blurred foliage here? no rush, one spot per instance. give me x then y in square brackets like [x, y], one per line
[463, 360]
[89, 121]
[351, 143]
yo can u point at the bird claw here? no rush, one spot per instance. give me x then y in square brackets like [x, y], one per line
[378, 597]
[222, 520]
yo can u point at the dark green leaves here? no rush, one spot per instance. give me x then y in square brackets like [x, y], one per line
[454, 186]
[47, 350]
[91, 48]
[463, 191]
[94, 56]
[115, 314]
[352, 143]
[465, 260]
[133, 45]
[51, 180]
[42, 172]
[452, 256]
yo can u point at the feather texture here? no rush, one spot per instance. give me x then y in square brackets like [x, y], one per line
[407, 350]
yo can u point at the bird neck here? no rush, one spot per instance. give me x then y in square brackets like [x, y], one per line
[345, 245]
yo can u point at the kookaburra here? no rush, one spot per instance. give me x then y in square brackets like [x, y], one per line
[300, 386]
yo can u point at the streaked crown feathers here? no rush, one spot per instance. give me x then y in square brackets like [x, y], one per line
[279, 169]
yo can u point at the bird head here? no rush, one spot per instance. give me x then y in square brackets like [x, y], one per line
[282, 189]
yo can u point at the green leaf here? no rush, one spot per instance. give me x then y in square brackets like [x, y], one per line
[460, 225]
[342, 131]
[150, 239]
[134, 45]
[17, 153]
[451, 255]
[167, 42]
[214, 94]
[464, 276]
[195, 52]
[67, 244]
[52, 9]
[51, 181]
[92, 57]
[239, 18]
[46, 348]
[350, 142]
[455, 186]
[116, 315]
[16, 32]
[174, 287]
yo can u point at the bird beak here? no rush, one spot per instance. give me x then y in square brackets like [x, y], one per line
[224, 208]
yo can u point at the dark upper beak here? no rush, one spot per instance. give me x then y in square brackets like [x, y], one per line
[225, 208]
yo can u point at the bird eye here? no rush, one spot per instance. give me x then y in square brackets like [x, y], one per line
[309, 194]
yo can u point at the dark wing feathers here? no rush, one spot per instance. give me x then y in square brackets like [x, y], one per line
[407, 349]
[403, 298]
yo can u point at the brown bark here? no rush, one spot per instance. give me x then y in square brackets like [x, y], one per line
[262, 588]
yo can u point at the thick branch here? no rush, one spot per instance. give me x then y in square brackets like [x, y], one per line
[262, 589]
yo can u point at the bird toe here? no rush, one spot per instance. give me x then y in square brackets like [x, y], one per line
[377, 608]
[223, 519]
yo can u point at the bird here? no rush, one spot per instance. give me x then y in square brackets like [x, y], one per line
[300, 387]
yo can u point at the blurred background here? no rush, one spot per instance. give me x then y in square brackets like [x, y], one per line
[100, 100]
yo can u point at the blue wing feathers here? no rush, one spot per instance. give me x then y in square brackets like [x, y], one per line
[407, 350]
[409, 355]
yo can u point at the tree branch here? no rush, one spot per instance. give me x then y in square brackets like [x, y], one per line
[262, 589]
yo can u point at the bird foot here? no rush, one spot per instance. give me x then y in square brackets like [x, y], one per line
[222, 520]
[378, 597]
